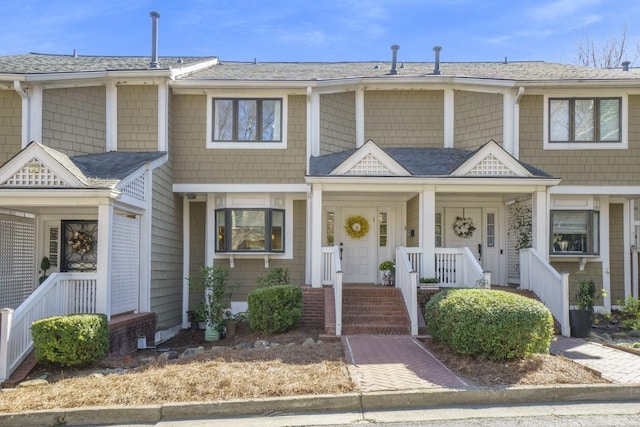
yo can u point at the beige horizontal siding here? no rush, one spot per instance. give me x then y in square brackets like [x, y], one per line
[404, 118]
[138, 118]
[74, 120]
[478, 118]
[579, 167]
[194, 163]
[10, 124]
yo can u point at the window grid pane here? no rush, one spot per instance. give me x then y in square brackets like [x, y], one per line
[609, 120]
[559, 120]
[271, 120]
[584, 119]
[247, 230]
[382, 223]
[438, 230]
[223, 120]
[247, 120]
[491, 230]
[277, 231]
[331, 220]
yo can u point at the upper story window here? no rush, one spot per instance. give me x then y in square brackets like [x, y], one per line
[254, 123]
[585, 123]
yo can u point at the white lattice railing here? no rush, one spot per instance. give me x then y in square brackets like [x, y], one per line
[407, 282]
[454, 267]
[537, 275]
[61, 293]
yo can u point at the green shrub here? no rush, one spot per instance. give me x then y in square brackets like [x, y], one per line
[274, 309]
[631, 313]
[72, 340]
[276, 276]
[494, 325]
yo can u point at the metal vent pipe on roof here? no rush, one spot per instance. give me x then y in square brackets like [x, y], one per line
[154, 39]
[625, 65]
[394, 59]
[436, 68]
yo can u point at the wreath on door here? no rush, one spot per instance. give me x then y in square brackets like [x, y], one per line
[463, 227]
[356, 226]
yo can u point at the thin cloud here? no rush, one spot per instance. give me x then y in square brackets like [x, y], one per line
[560, 9]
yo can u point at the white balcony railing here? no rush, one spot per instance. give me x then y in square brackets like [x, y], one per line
[537, 275]
[61, 293]
[407, 281]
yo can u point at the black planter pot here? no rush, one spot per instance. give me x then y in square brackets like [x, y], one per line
[580, 322]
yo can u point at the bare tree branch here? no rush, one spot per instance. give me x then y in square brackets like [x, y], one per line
[608, 54]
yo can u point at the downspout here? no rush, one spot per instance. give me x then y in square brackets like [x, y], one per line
[516, 124]
[17, 85]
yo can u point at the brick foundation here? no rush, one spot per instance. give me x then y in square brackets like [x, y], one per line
[313, 307]
[125, 329]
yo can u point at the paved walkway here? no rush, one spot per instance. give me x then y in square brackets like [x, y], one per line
[615, 365]
[395, 362]
[401, 362]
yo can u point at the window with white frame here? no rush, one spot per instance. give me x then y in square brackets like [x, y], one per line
[246, 122]
[585, 122]
[575, 232]
[250, 230]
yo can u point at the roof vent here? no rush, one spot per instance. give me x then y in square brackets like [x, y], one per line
[75, 53]
[625, 65]
[394, 59]
[436, 68]
[506, 61]
[154, 39]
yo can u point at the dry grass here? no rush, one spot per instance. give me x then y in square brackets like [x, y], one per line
[538, 369]
[221, 374]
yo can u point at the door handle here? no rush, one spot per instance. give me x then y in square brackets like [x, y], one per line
[341, 249]
[479, 251]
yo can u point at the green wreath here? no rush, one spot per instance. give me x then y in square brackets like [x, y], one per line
[356, 226]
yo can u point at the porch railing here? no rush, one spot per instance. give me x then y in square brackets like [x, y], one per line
[455, 267]
[537, 275]
[332, 275]
[61, 293]
[407, 281]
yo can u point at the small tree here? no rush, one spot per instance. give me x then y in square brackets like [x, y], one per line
[214, 281]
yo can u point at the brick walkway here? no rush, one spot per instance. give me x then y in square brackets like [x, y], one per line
[395, 362]
[615, 365]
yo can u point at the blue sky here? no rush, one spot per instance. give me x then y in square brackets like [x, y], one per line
[319, 30]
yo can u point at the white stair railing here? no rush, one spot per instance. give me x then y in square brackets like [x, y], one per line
[407, 281]
[61, 293]
[337, 288]
[538, 276]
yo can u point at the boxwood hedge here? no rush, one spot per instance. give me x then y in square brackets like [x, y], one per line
[71, 340]
[489, 324]
[274, 309]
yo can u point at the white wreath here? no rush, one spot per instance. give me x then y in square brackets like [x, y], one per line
[464, 227]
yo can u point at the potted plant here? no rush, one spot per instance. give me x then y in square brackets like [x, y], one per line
[198, 316]
[214, 281]
[581, 318]
[387, 273]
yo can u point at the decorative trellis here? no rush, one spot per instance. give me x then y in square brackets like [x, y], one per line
[125, 264]
[17, 260]
[369, 165]
[491, 166]
[35, 174]
[136, 188]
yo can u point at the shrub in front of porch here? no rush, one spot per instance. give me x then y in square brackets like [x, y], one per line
[487, 324]
[71, 340]
[274, 309]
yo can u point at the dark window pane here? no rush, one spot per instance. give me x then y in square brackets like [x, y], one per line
[223, 120]
[271, 120]
[247, 230]
[277, 230]
[584, 119]
[247, 120]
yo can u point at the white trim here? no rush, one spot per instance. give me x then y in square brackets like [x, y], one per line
[316, 235]
[449, 118]
[24, 96]
[446, 185]
[627, 231]
[372, 148]
[163, 115]
[210, 230]
[492, 148]
[427, 229]
[605, 250]
[359, 117]
[240, 188]
[186, 256]
[146, 233]
[111, 117]
[508, 118]
[624, 122]
[244, 145]
[35, 113]
[315, 120]
[105, 235]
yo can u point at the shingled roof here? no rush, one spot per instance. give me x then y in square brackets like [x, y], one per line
[114, 165]
[427, 162]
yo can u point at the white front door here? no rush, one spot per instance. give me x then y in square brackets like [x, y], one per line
[485, 242]
[358, 253]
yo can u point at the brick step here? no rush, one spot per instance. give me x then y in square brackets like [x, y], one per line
[385, 314]
[351, 320]
[374, 329]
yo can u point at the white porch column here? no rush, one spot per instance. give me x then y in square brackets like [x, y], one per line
[316, 235]
[449, 117]
[508, 114]
[427, 225]
[627, 232]
[186, 255]
[146, 230]
[103, 285]
[604, 250]
[210, 230]
[540, 223]
[359, 117]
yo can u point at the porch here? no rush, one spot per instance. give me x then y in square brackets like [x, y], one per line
[455, 268]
